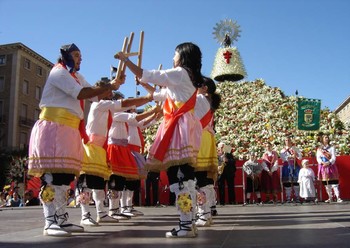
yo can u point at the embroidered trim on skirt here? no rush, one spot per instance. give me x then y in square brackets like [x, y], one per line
[95, 161]
[122, 162]
[61, 151]
[183, 147]
[207, 159]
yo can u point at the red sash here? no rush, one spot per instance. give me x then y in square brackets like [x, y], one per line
[207, 118]
[141, 139]
[109, 124]
[171, 118]
[82, 129]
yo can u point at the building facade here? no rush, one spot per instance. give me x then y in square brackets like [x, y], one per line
[343, 111]
[23, 74]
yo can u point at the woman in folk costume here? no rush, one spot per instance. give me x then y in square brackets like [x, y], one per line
[207, 103]
[270, 180]
[327, 169]
[290, 155]
[177, 140]
[56, 149]
[95, 171]
[123, 164]
[136, 145]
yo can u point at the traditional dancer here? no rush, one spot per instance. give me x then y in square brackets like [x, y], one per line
[207, 103]
[136, 144]
[253, 169]
[290, 155]
[95, 171]
[123, 164]
[270, 180]
[306, 181]
[55, 149]
[327, 169]
[178, 138]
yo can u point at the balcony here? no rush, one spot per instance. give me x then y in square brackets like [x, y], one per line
[26, 122]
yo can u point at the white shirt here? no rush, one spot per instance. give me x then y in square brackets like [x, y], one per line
[178, 84]
[61, 90]
[202, 106]
[97, 122]
[286, 153]
[118, 128]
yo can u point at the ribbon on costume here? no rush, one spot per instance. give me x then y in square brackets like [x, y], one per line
[171, 118]
[206, 118]
[82, 129]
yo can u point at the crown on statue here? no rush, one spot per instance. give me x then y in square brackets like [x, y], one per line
[228, 65]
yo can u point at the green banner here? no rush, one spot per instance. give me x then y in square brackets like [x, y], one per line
[309, 112]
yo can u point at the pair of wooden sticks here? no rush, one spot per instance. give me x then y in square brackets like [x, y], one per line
[126, 49]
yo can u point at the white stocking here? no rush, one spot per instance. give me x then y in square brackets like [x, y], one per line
[99, 195]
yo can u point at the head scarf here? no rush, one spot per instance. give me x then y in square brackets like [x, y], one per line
[66, 55]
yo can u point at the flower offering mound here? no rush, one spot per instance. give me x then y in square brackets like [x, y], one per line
[252, 113]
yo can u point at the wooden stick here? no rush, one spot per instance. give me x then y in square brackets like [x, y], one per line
[120, 65]
[128, 49]
[131, 54]
[139, 58]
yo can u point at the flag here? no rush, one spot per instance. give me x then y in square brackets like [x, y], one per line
[309, 112]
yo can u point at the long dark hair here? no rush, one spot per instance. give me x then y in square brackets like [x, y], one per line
[214, 98]
[191, 61]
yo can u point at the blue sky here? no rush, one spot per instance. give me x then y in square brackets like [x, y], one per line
[292, 44]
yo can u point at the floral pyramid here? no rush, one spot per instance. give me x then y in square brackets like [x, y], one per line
[252, 113]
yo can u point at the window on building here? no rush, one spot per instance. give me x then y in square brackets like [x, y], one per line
[36, 114]
[27, 64]
[23, 140]
[26, 87]
[39, 71]
[24, 111]
[2, 59]
[2, 83]
[37, 92]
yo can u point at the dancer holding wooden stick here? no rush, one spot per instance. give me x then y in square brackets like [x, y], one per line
[177, 140]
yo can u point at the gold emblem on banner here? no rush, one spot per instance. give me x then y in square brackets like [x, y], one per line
[308, 116]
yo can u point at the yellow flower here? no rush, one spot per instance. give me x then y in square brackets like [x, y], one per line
[47, 194]
[184, 202]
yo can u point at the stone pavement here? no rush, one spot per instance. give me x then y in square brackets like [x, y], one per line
[307, 225]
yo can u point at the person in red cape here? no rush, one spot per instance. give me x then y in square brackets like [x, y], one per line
[177, 141]
[56, 148]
